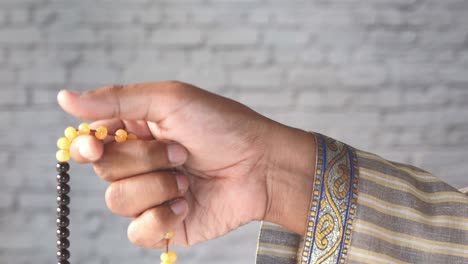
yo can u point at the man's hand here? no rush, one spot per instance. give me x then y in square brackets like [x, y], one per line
[203, 165]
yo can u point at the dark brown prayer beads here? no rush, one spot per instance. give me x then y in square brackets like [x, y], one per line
[62, 212]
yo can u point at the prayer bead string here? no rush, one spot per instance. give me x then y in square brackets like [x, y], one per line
[63, 187]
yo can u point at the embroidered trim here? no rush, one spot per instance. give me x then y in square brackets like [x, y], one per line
[333, 205]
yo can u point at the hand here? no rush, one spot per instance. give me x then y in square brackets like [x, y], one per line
[225, 155]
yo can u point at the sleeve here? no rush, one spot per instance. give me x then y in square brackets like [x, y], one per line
[365, 209]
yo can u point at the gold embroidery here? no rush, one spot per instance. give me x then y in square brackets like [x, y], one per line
[333, 204]
[325, 227]
[342, 183]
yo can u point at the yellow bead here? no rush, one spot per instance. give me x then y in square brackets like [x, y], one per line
[101, 132]
[63, 143]
[132, 137]
[71, 133]
[84, 129]
[121, 135]
[62, 155]
[169, 235]
[172, 256]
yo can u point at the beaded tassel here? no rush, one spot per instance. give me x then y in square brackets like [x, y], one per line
[63, 188]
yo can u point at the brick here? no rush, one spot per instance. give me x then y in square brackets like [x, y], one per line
[308, 57]
[175, 17]
[44, 96]
[6, 117]
[183, 37]
[260, 17]
[36, 200]
[407, 74]
[314, 77]
[212, 79]
[243, 57]
[12, 96]
[122, 35]
[94, 57]
[233, 37]
[149, 73]
[108, 16]
[231, 58]
[43, 74]
[393, 138]
[451, 75]
[325, 99]
[431, 97]
[286, 38]
[65, 36]
[89, 74]
[310, 98]
[278, 100]
[438, 39]
[6, 200]
[122, 56]
[296, 18]
[216, 16]
[19, 36]
[392, 39]
[3, 17]
[257, 78]
[151, 16]
[363, 76]
[413, 119]
[313, 120]
[23, 117]
[7, 76]
[58, 16]
[19, 17]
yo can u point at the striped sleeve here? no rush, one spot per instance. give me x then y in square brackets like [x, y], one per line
[365, 209]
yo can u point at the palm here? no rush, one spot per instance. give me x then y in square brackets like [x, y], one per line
[225, 162]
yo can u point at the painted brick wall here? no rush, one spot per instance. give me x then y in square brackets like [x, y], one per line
[387, 76]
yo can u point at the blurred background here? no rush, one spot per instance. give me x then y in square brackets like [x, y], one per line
[386, 76]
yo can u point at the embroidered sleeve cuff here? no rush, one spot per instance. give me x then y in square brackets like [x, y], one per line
[331, 213]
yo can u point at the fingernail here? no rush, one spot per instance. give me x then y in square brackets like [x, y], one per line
[182, 182]
[179, 206]
[84, 151]
[176, 154]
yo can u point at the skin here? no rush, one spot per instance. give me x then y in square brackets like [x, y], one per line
[203, 165]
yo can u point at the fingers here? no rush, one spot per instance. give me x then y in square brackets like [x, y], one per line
[147, 101]
[122, 160]
[132, 196]
[149, 228]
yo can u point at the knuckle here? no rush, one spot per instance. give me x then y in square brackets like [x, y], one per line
[103, 173]
[155, 153]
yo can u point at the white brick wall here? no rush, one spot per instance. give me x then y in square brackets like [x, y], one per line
[388, 76]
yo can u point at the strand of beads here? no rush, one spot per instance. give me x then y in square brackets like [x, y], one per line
[63, 178]
[63, 187]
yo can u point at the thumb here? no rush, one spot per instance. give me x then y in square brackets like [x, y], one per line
[145, 101]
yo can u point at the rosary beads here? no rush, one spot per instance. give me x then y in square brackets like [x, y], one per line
[63, 188]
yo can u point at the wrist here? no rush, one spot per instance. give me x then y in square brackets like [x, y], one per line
[290, 177]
